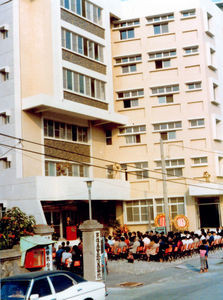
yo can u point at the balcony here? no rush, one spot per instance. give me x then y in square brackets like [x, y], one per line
[45, 103]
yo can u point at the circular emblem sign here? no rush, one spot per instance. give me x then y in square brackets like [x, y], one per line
[160, 220]
[181, 222]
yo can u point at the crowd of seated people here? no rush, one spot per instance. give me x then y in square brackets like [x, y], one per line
[154, 246]
[69, 258]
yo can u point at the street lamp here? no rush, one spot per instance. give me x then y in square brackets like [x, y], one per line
[89, 185]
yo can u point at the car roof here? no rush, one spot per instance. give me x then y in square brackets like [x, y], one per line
[38, 274]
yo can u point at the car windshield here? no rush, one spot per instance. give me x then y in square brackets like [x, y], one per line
[14, 289]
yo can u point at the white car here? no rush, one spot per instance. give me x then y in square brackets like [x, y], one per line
[51, 285]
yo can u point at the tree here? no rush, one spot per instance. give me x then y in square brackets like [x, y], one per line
[13, 225]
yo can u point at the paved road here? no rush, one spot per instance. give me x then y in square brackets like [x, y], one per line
[181, 281]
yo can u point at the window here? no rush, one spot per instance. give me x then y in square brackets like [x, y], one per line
[176, 206]
[53, 168]
[191, 50]
[9, 287]
[218, 133]
[175, 172]
[133, 139]
[165, 89]
[65, 131]
[129, 23]
[215, 92]
[50, 169]
[4, 74]
[138, 211]
[61, 282]
[83, 84]
[128, 59]
[161, 28]
[131, 103]
[160, 18]
[130, 94]
[5, 163]
[209, 25]
[171, 163]
[163, 54]
[212, 60]
[194, 85]
[197, 123]
[108, 134]
[166, 136]
[188, 13]
[165, 99]
[143, 173]
[85, 9]
[41, 287]
[127, 34]
[167, 126]
[81, 45]
[4, 31]
[162, 64]
[4, 118]
[200, 160]
[174, 167]
[129, 69]
[132, 129]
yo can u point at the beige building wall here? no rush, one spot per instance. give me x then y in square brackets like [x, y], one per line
[187, 105]
[36, 48]
[32, 131]
[36, 74]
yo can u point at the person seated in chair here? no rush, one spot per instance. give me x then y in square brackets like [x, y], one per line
[151, 251]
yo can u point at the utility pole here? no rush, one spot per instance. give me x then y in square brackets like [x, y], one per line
[166, 206]
[149, 212]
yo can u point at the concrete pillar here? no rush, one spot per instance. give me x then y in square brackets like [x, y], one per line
[44, 230]
[92, 249]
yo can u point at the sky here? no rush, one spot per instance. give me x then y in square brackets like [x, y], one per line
[141, 7]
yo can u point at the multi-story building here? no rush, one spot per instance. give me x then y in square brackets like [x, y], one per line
[168, 82]
[89, 88]
[56, 100]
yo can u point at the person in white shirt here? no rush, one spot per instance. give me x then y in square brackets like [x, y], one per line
[146, 240]
[184, 240]
[66, 255]
[110, 241]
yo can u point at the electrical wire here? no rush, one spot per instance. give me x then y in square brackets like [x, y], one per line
[105, 160]
[4, 154]
[5, 2]
[197, 149]
[101, 167]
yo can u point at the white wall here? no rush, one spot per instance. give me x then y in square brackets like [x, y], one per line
[28, 193]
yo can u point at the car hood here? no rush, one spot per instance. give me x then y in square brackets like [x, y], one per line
[92, 285]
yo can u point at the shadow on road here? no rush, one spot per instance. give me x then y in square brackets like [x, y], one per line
[192, 268]
[188, 267]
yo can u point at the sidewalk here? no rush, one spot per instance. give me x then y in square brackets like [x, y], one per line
[152, 272]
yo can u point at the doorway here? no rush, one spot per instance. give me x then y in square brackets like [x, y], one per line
[209, 215]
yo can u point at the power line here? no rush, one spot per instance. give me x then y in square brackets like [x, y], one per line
[4, 154]
[115, 185]
[197, 149]
[5, 2]
[101, 167]
[104, 160]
